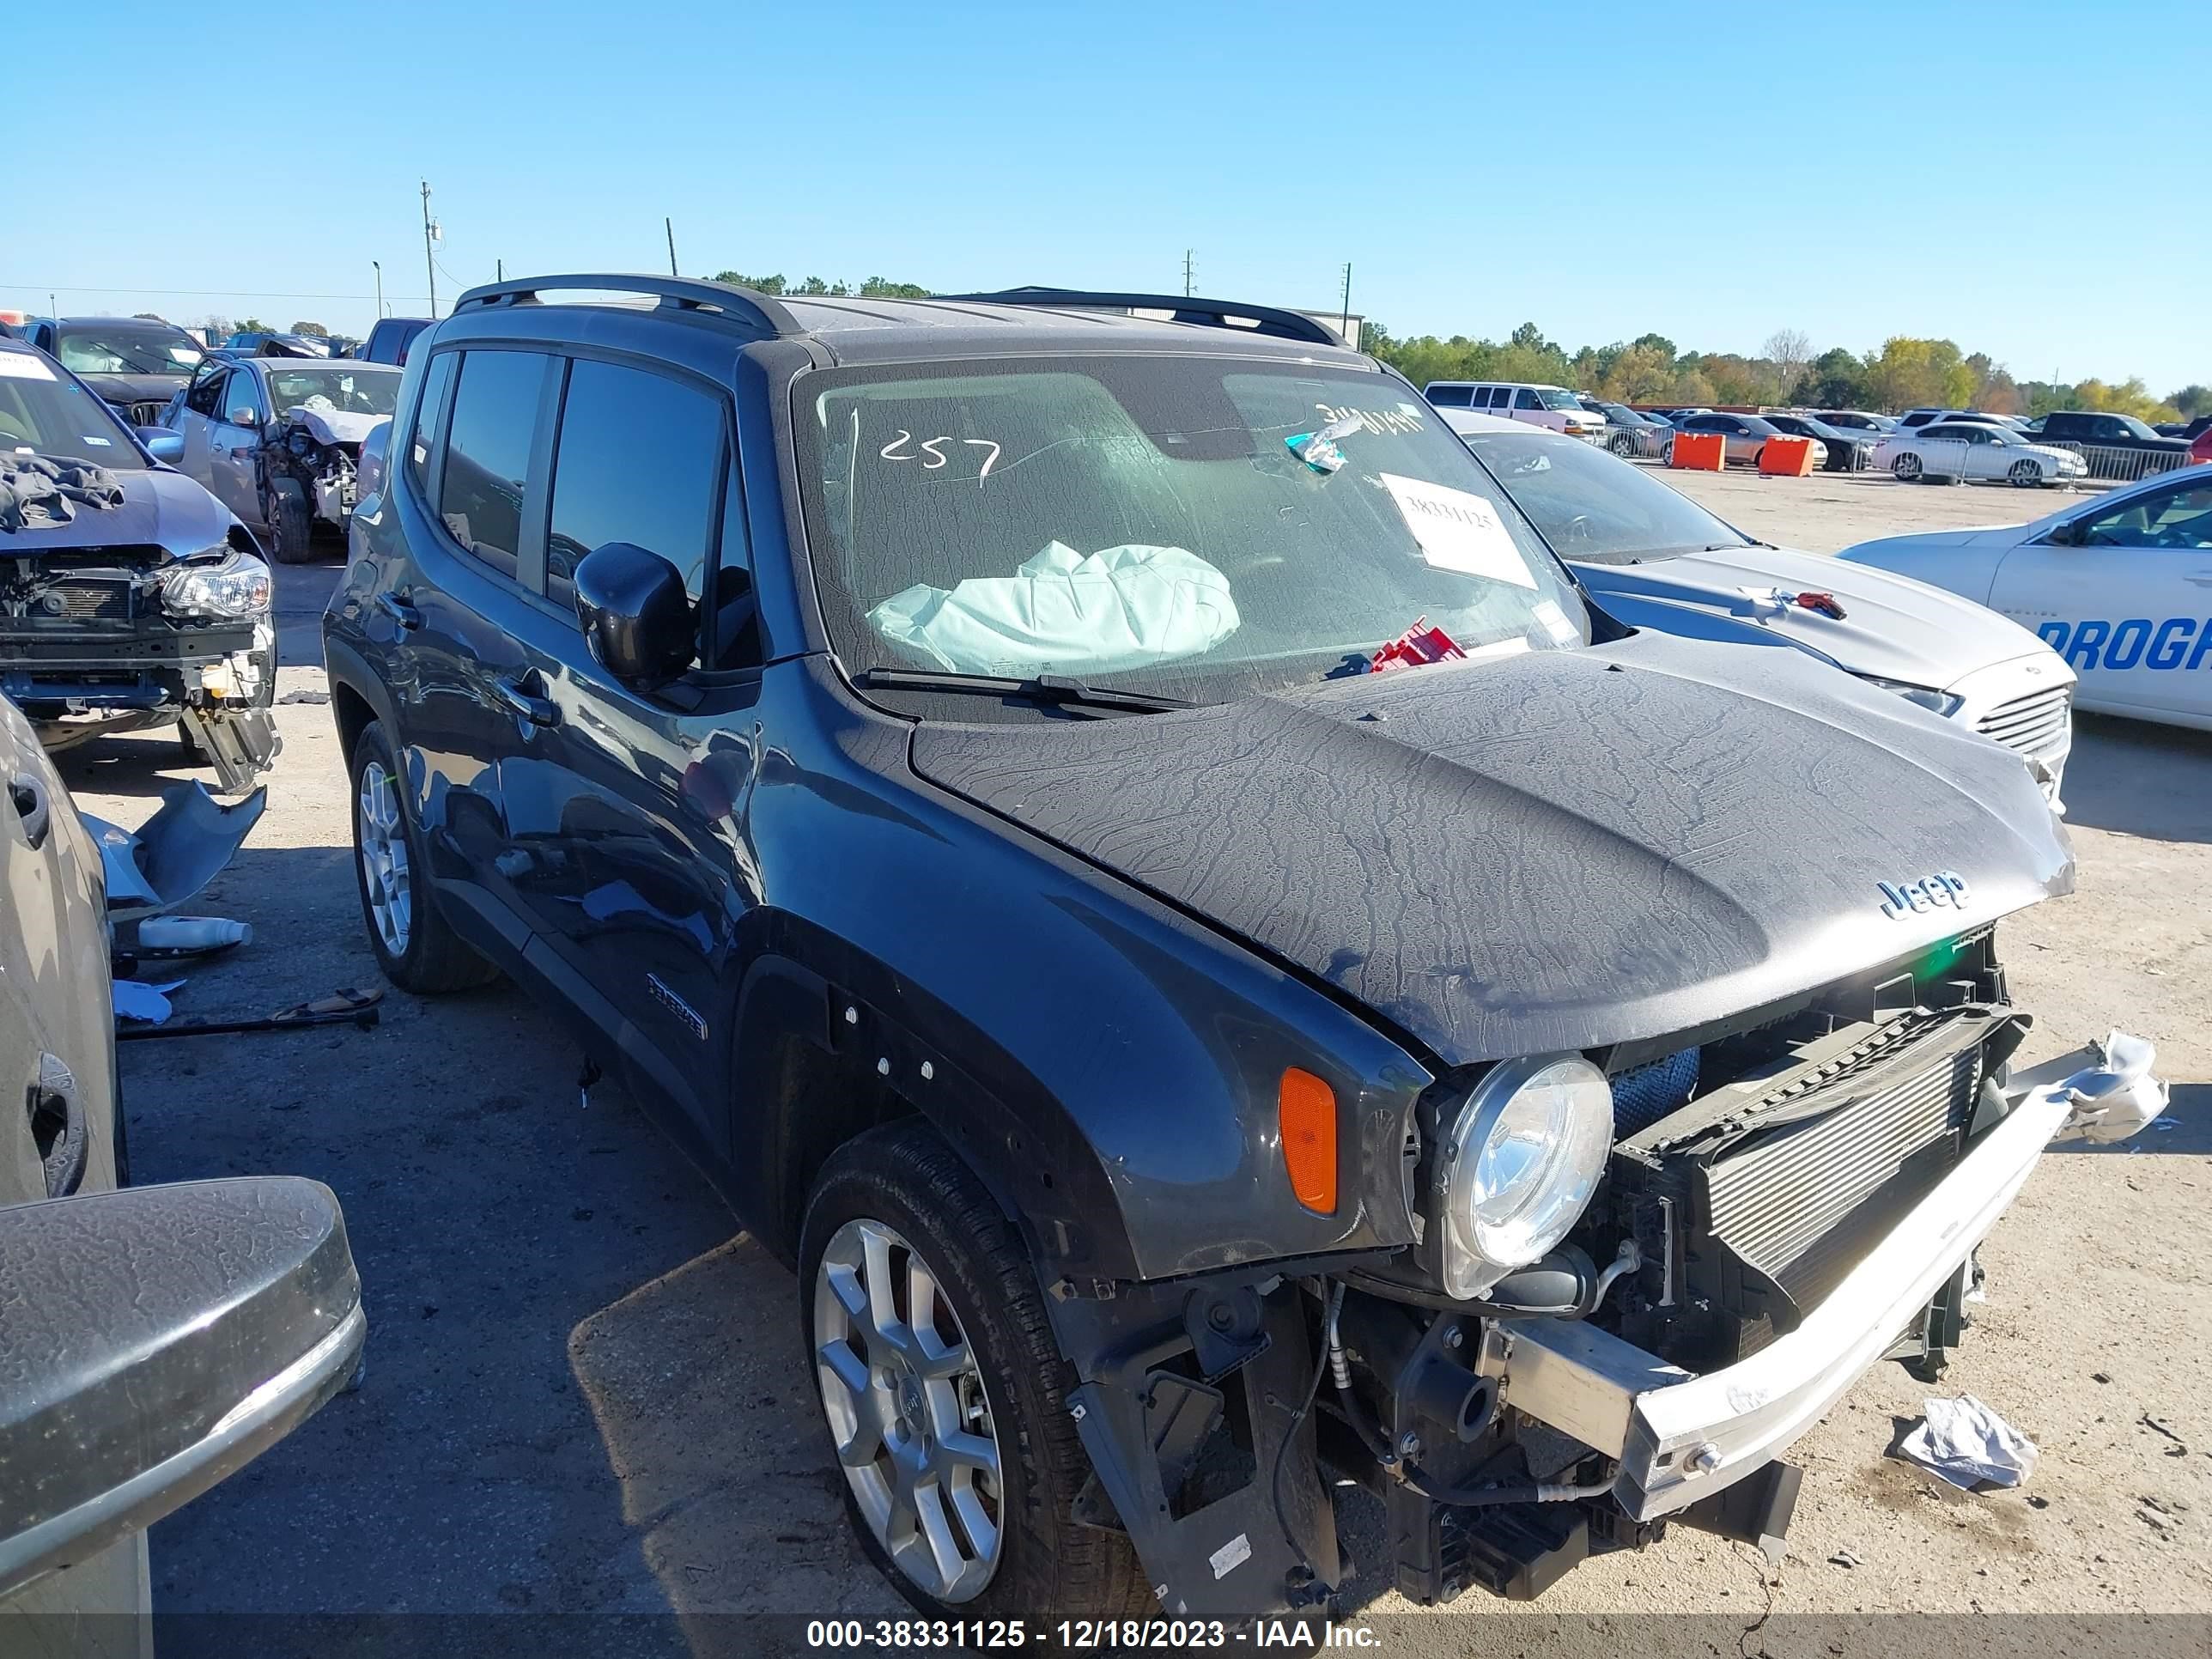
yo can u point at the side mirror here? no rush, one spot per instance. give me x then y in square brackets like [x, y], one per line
[245, 417]
[637, 617]
[158, 1339]
[162, 444]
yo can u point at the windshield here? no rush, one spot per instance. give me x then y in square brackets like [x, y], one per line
[43, 414]
[1552, 398]
[1593, 507]
[347, 391]
[1194, 527]
[126, 349]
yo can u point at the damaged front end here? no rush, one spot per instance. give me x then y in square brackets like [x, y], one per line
[319, 453]
[1641, 1274]
[102, 639]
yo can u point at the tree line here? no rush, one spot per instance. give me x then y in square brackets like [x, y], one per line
[1905, 373]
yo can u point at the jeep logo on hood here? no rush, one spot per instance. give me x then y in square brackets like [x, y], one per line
[1944, 887]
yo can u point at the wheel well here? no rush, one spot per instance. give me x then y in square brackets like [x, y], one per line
[820, 1101]
[354, 715]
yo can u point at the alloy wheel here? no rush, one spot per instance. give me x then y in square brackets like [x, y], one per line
[2026, 474]
[1907, 468]
[384, 864]
[903, 1391]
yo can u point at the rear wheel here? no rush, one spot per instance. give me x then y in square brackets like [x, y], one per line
[1906, 469]
[2026, 474]
[945, 1393]
[414, 946]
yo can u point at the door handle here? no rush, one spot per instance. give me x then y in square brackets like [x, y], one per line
[33, 810]
[525, 704]
[58, 1131]
[396, 607]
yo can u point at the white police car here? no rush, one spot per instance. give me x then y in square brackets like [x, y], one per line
[2120, 586]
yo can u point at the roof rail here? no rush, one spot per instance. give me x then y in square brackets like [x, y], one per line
[676, 293]
[1206, 313]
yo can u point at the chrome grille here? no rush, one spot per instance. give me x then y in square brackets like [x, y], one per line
[2030, 724]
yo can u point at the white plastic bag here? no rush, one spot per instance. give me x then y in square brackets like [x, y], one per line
[1121, 608]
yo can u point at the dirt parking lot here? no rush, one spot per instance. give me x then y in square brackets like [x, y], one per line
[585, 1392]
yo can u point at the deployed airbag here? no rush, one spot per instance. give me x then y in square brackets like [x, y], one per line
[1125, 607]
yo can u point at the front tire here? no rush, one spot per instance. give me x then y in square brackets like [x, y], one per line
[945, 1393]
[1906, 469]
[415, 948]
[2026, 475]
[291, 524]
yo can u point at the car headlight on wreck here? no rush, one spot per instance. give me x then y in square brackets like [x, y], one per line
[1518, 1165]
[234, 586]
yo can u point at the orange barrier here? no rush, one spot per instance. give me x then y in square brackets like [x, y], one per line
[1700, 451]
[1786, 457]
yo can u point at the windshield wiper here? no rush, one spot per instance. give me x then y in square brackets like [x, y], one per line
[1057, 690]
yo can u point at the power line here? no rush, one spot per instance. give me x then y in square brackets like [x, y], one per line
[183, 293]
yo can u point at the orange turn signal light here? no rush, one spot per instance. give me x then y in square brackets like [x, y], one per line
[1306, 1110]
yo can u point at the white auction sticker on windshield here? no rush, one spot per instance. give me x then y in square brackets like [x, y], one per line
[22, 366]
[1458, 530]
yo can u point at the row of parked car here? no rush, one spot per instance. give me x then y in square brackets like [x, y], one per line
[2053, 449]
[694, 651]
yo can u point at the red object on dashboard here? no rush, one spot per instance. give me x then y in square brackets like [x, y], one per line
[1419, 644]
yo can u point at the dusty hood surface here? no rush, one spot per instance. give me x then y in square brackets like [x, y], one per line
[159, 509]
[1892, 626]
[335, 425]
[1550, 852]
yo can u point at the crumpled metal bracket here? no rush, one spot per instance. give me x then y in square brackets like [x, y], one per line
[2115, 1099]
[175, 853]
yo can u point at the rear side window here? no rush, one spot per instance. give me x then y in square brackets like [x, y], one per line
[428, 411]
[640, 460]
[1451, 397]
[1500, 396]
[488, 443]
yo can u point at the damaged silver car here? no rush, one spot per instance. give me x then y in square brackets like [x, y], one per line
[277, 441]
[129, 598]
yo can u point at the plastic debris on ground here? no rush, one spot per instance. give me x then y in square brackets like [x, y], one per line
[344, 1007]
[191, 936]
[147, 1004]
[1969, 1445]
[1419, 644]
[175, 853]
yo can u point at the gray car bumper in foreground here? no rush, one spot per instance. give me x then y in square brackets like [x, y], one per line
[1680, 1437]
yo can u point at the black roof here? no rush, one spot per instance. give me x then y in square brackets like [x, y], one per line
[851, 330]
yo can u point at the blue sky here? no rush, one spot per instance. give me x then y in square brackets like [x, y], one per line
[2027, 180]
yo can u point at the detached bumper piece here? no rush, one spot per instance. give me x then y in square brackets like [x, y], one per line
[1682, 1439]
[175, 853]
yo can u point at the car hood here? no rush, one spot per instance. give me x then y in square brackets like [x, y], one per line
[335, 425]
[134, 388]
[1963, 560]
[1892, 626]
[1556, 851]
[161, 507]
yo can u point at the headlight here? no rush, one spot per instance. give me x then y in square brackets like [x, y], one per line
[1517, 1166]
[1936, 702]
[238, 585]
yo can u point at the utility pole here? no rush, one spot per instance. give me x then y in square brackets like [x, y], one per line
[1345, 327]
[1187, 291]
[430, 263]
[377, 265]
[669, 225]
